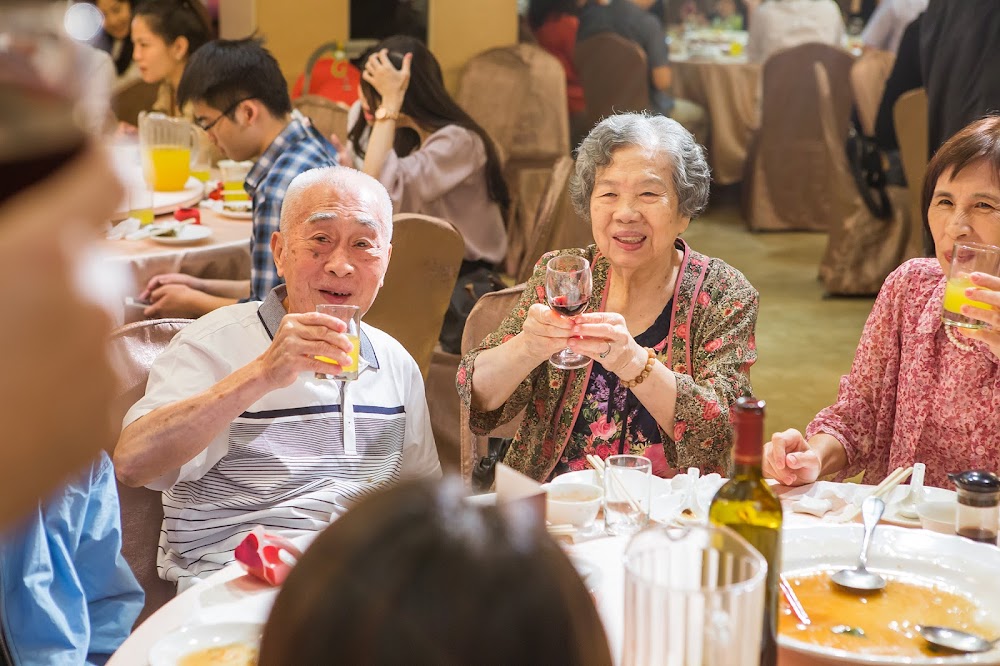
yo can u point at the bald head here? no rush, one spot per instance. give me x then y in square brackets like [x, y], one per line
[310, 190]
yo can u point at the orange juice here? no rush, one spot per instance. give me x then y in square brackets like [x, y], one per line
[166, 168]
[954, 294]
[352, 368]
[232, 190]
[144, 215]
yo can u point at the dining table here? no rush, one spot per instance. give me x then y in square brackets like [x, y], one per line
[224, 254]
[710, 68]
[232, 595]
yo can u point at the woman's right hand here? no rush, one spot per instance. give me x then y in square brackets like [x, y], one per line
[545, 332]
[789, 460]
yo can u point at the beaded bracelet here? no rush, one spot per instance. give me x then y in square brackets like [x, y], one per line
[650, 362]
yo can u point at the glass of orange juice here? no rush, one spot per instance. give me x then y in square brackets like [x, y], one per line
[967, 258]
[140, 203]
[350, 315]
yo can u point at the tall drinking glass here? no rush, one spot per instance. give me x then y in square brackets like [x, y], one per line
[628, 481]
[693, 595]
[967, 258]
[567, 289]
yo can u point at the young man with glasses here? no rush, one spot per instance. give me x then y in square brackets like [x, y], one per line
[239, 97]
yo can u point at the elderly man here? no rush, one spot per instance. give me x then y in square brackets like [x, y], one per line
[235, 428]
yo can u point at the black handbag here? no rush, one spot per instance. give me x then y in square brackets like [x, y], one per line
[484, 472]
[865, 161]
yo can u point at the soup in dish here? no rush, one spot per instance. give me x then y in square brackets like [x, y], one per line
[234, 654]
[882, 623]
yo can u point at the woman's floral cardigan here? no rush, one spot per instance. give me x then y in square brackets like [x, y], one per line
[710, 349]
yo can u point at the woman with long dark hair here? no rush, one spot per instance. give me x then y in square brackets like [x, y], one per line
[455, 173]
[164, 35]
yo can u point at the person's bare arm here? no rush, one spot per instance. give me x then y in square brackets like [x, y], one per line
[662, 77]
[500, 370]
[166, 438]
[391, 84]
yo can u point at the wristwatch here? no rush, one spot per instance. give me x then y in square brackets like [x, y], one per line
[382, 113]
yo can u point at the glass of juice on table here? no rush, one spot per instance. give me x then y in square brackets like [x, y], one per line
[350, 315]
[234, 175]
[966, 259]
[140, 203]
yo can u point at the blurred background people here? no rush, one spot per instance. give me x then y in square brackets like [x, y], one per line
[115, 37]
[164, 35]
[415, 575]
[884, 29]
[782, 24]
[958, 46]
[456, 173]
[554, 24]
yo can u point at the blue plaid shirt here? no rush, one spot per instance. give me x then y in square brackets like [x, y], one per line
[298, 148]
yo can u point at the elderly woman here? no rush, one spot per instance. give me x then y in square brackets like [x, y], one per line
[670, 330]
[918, 390]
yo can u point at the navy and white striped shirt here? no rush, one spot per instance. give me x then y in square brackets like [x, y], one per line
[295, 459]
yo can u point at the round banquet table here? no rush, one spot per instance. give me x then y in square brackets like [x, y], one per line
[224, 255]
[728, 88]
[230, 595]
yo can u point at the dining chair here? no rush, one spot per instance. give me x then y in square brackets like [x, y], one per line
[133, 348]
[131, 98]
[789, 165]
[868, 76]
[544, 229]
[327, 116]
[910, 116]
[613, 74]
[861, 249]
[517, 94]
[426, 256]
[485, 318]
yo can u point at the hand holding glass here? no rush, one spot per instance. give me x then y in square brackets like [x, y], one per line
[967, 258]
[567, 289]
[350, 315]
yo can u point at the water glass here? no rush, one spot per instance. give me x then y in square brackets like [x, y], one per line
[350, 315]
[967, 258]
[627, 488]
[693, 595]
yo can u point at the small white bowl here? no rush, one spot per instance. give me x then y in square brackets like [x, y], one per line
[937, 516]
[572, 503]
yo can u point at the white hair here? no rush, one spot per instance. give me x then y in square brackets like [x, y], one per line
[334, 179]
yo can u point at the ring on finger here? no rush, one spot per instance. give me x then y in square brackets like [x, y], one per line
[607, 351]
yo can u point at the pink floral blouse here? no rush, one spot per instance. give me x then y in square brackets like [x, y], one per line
[912, 395]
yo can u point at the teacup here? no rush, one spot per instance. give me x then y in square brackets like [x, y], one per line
[938, 516]
[572, 503]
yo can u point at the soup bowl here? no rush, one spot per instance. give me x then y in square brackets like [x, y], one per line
[950, 562]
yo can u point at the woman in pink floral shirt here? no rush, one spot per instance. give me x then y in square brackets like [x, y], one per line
[918, 392]
[681, 322]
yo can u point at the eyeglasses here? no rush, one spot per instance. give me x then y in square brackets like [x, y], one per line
[229, 110]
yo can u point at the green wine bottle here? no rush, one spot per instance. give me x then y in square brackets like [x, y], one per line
[748, 506]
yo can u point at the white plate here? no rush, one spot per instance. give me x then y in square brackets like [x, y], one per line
[965, 566]
[186, 234]
[892, 515]
[236, 214]
[170, 649]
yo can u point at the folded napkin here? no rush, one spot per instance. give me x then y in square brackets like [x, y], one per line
[819, 501]
[268, 557]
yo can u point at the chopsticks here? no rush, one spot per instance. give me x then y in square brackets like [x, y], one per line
[598, 465]
[564, 529]
[881, 491]
[793, 601]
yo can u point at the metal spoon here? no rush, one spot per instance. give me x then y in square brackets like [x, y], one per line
[958, 641]
[860, 579]
[907, 507]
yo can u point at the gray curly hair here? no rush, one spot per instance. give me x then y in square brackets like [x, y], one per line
[691, 174]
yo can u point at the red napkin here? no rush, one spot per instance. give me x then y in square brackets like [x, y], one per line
[259, 553]
[182, 214]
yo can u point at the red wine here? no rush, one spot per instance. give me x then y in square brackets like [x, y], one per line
[560, 305]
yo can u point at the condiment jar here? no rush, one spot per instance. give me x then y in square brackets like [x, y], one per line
[978, 505]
